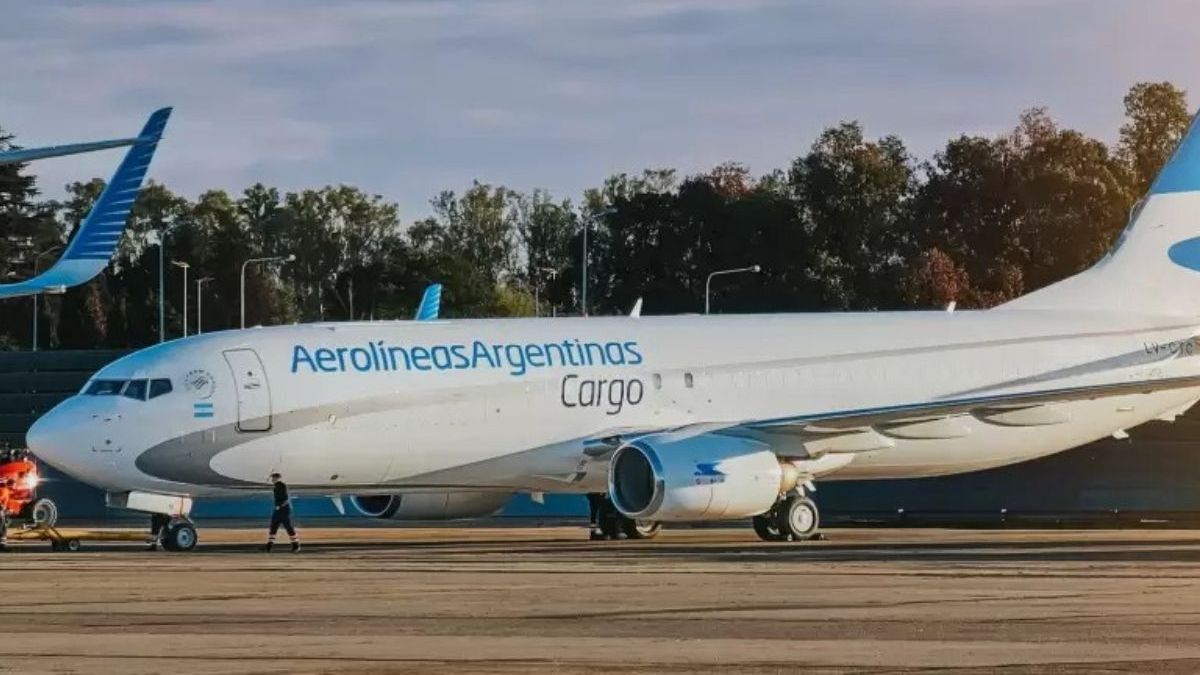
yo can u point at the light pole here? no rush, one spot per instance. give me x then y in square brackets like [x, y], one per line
[708, 282]
[200, 303]
[160, 240]
[37, 259]
[290, 258]
[185, 267]
[537, 303]
[586, 226]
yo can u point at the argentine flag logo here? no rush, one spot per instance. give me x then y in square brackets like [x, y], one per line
[202, 409]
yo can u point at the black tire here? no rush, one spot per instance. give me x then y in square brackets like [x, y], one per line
[180, 537]
[766, 527]
[798, 518]
[610, 525]
[640, 529]
[72, 545]
[43, 513]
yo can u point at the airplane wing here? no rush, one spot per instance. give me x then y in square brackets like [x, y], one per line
[988, 405]
[431, 303]
[89, 251]
[1032, 408]
[30, 154]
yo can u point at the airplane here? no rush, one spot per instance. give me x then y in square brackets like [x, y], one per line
[663, 418]
[88, 252]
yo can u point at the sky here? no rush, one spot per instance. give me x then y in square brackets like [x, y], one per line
[408, 98]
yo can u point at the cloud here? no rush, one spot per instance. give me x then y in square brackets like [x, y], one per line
[408, 98]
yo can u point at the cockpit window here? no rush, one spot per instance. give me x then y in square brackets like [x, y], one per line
[159, 387]
[136, 389]
[105, 387]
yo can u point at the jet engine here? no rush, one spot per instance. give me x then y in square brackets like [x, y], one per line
[443, 505]
[707, 477]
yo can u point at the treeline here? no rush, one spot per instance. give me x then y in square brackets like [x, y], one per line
[854, 223]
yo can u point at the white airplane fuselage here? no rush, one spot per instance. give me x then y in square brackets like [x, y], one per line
[383, 407]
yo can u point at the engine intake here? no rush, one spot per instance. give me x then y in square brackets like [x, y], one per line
[707, 477]
[445, 505]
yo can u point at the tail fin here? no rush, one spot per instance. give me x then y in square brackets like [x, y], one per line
[431, 303]
[89, 251]
[1154, 268]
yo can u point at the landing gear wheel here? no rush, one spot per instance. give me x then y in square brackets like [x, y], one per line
[640, 529]
[798, 518]
[610, 525]
[180, 537]
[766, 527]
[44, 513]
[72, 545]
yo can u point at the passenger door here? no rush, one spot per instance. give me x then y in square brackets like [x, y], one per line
[252, 388]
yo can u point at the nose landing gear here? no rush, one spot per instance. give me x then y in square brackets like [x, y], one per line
[176, 534]
[179, 536]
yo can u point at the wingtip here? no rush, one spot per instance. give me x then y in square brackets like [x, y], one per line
[155, 126]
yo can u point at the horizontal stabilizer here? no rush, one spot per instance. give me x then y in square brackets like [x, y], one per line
[30, 154]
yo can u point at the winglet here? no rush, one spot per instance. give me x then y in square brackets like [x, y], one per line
[1182, 172]
[637, 309]
[431, 303]
[90, 249]
[101, 230]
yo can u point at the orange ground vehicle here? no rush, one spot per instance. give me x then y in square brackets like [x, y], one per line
[20, 500]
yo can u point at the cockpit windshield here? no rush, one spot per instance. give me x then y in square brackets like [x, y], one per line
[159, 387]
[136, 389]
[139, 390]
[105, 387]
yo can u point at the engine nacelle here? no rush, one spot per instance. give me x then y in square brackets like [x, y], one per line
[707, 477]
[431, 505]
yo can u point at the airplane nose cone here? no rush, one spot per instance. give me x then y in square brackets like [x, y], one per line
[43, 441]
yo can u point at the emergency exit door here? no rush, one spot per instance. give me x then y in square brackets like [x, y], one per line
[253, 391]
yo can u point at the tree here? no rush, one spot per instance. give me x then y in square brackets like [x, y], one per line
[1156, 116]
[853, 195]
[470, 243]
[545, 231]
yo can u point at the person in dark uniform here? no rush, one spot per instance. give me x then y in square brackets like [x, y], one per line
[282, 515]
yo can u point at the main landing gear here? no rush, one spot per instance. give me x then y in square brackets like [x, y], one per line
[609, 523]
[793, 518]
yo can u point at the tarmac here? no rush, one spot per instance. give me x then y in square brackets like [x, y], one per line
[541, 600]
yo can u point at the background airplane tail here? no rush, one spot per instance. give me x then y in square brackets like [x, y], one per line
[96, 239]
[1154, 268]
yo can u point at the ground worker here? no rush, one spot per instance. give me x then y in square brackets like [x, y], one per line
[282, 515]
[5, 488]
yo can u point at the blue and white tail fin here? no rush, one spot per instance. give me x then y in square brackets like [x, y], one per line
[1154, 268]
[431, 303]
[89, 251]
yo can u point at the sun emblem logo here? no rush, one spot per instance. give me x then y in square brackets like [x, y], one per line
[200, 382]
